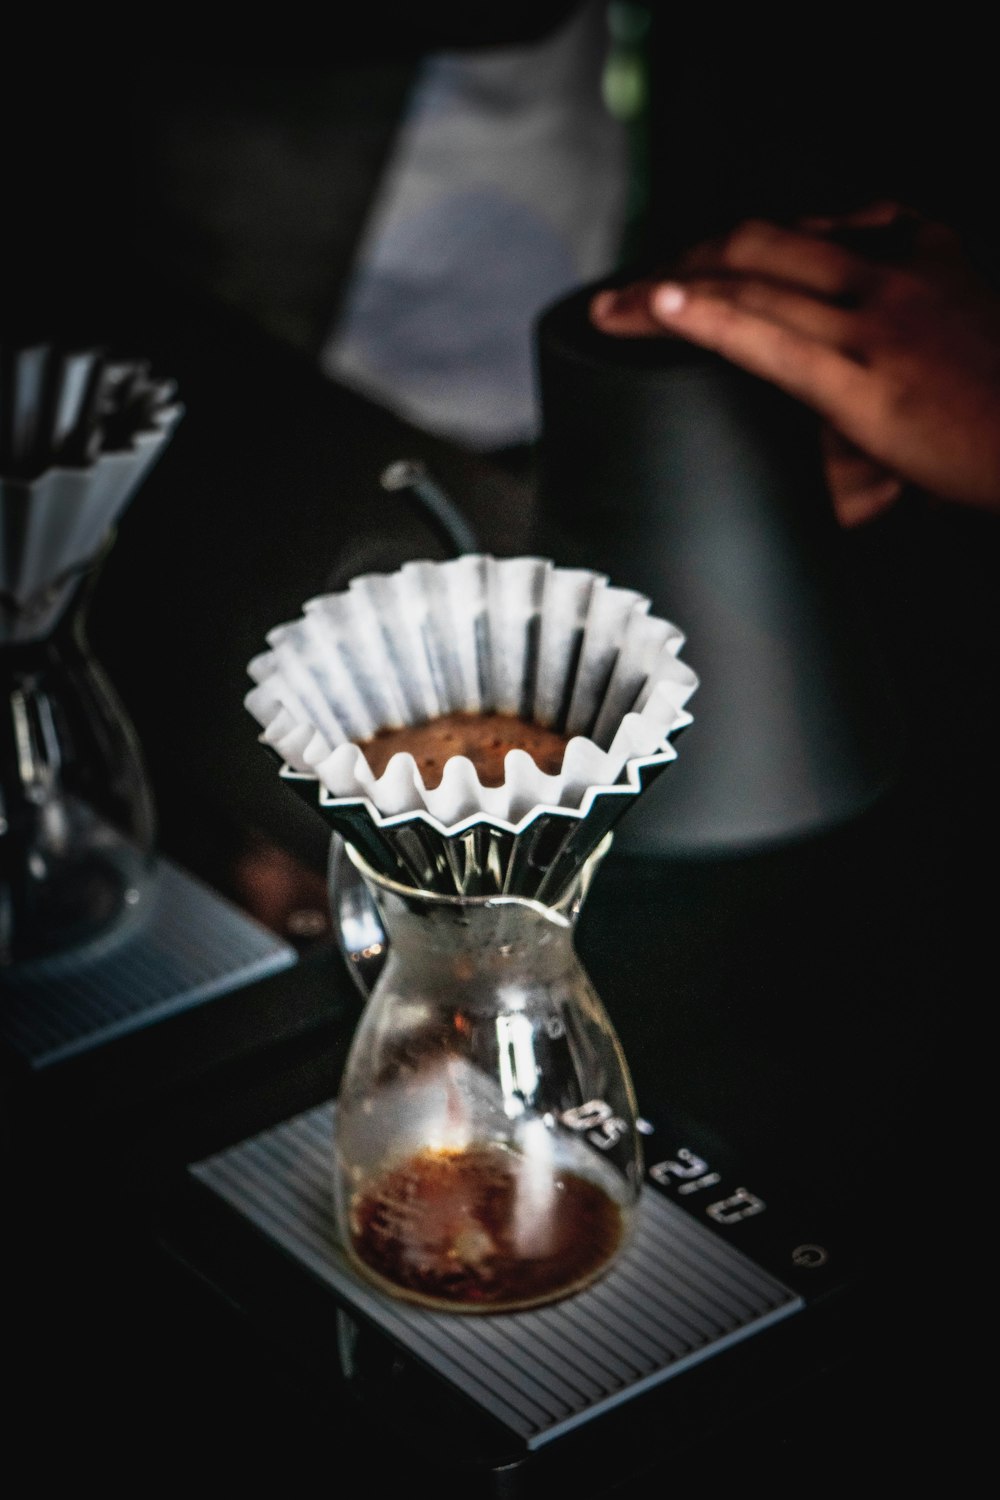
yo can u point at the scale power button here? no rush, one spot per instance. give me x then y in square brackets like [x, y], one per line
[810, 1256]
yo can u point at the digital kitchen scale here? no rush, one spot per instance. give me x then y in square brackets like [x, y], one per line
[711, 1295]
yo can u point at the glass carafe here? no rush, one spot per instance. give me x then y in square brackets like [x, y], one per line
[487, 1156]
[77, 818]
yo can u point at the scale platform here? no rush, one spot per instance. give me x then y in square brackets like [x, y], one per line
[711, 1269]
[183, 945]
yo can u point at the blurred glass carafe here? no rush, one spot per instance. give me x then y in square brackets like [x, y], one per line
[78, 434]
[77, 817]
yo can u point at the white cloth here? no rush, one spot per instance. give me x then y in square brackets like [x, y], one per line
[506, 190]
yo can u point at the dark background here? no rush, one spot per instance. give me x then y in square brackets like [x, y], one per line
[110, 195]
[822, 1008]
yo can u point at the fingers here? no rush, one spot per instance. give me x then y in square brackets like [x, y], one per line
[786, 306]
[887, 231]
[876, 319]
[815, 372]
[800, 279]
[807, 261]
[859, 504]
[625, 311]
[860, 487]
[877, 215]
[777, 332]
[631, 311]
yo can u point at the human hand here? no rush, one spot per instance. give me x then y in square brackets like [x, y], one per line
[877, 320]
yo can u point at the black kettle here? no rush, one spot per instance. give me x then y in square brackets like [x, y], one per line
[703, 487]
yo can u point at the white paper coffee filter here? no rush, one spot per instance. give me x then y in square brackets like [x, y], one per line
[55, 524]
[560, 646]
